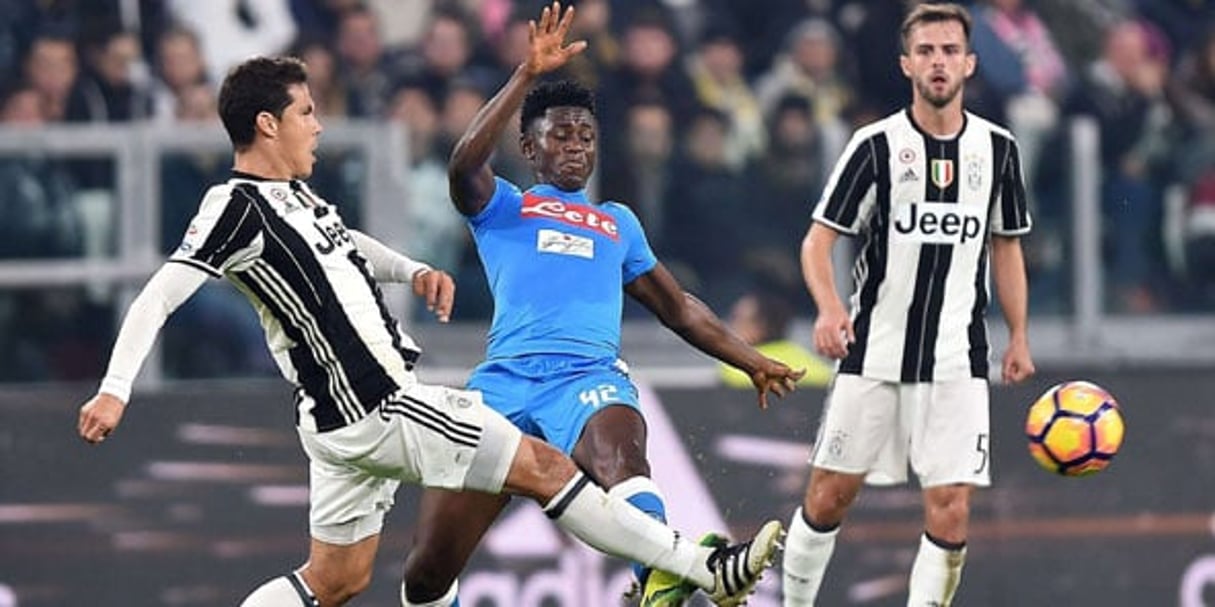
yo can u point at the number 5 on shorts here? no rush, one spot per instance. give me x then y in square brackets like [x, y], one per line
[981, 447]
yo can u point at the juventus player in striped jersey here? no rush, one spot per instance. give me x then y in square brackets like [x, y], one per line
[364, 420]
[935, 192]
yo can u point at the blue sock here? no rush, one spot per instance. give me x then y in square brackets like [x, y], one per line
[643, 494]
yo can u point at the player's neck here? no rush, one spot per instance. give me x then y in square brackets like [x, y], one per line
[942, 123]
[257, 162]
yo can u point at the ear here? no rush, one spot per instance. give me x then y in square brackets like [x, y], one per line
[266, 124]
[905, 64]
[972, 63]
[527, 145]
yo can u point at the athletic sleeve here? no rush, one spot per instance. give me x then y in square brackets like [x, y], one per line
[225, 234]
[1010, 212]
[638, 258]
[387, 265]
[850, 193]
[168, 288]
[506, 196]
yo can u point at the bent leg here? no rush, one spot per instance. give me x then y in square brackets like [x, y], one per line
[612, 450]
[812, 531]
[937, 570]
[449, 527]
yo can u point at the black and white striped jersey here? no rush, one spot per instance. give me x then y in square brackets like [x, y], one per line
[925, 208]
[325, 319]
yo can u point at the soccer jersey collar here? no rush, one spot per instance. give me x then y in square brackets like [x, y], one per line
[550, 191]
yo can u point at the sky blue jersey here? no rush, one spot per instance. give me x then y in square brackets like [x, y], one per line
[556, 265]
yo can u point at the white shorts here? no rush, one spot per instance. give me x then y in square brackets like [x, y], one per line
[430, 435]
[877, 428]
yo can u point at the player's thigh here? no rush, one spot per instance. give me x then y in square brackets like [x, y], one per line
[950, 440]
[569, 401]
[859, 417]
[445, 438]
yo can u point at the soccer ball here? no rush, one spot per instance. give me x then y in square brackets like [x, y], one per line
[1074, 429]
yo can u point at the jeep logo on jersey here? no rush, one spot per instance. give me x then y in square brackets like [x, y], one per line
[577, 215]
[936, 223]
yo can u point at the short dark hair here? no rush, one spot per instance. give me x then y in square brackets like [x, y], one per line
[935, 13]
[560, 93]
[255, 86]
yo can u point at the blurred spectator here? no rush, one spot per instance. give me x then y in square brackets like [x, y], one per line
[234, 30]
[762, 319]
[790, 174]
[53, 334]
[509, 50]
[111, 87]
[445, 53]
[1021, 72]
[710, 215]
[325, 82]
[51, 69]
[716, 71]
[179, 67]
[365, 66]
[809, 65]
[1124, 91]
[874, 43]
[649, 68]
[437, 232]
[639, 175]
[38, 216]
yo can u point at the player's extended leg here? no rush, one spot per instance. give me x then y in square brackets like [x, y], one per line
[612, 450]
[615, 527]
[937, 570]
[450, 524]
[334, 574]
[812, 532]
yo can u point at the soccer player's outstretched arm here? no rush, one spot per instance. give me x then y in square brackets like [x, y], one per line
[469, 177]
[170, 287]
[1008, 268]
[692, 320]
[387, 265]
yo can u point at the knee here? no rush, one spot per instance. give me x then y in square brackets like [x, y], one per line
[611, 467]
[829, 496]
[947, 512]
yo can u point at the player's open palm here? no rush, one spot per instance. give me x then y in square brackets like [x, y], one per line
[548, 48]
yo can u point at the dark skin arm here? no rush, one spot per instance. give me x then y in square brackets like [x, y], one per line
[693, 321]
[469, 177]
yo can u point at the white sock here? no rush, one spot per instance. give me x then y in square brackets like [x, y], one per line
[807, 553]
[286, 591]
[614, 526]
[936, 574]
[447, 600]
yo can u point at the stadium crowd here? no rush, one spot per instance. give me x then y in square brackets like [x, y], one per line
[719, 119]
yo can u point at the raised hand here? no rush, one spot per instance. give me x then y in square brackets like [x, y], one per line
[548, 48]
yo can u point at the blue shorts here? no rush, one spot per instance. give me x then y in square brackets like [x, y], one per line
[552, 397]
